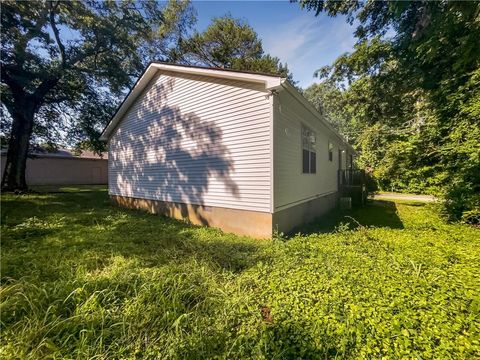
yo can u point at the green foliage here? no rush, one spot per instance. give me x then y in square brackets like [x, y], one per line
[332, 103]
[60, 58]
[74, 61]
[229, 43]
[460, 152]
[412, 101]
[472, 217]
[83, 279]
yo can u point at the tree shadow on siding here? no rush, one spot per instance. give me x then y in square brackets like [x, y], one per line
[167, 155]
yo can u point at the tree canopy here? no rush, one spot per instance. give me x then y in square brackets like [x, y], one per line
[64, 64]
[229, 43]
[410, 93]
[58, 52]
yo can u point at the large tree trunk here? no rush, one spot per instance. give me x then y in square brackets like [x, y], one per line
[22, 126]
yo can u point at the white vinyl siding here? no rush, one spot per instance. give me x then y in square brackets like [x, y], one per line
[291, 185]
[196, 140]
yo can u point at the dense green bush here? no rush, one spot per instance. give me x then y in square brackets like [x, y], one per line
[410, 103]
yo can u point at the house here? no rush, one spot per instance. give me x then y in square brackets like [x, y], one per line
[241, 151]
[63, 167]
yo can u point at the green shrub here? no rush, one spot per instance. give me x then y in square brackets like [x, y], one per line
[472, 217]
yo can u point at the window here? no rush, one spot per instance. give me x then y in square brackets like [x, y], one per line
[309, 155]
[330, 151]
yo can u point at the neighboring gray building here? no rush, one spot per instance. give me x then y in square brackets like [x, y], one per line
[63, 167]
[240, 151]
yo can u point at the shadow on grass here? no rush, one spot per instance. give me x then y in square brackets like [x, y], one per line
[44, 189]
[84, 227]
[377, 213]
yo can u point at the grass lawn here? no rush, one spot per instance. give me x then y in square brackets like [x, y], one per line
[82, 279]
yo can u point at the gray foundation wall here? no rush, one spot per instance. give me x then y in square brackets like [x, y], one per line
[242, 222]
[288, 219]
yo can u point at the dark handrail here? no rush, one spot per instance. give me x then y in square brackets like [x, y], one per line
[352, 183]
[351, 177]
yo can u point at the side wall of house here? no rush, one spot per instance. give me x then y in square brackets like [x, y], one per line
[195, 140]
[293, 189]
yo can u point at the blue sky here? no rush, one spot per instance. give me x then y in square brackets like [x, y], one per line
[297, 37]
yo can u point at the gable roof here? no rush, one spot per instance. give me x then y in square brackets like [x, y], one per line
[270, 82]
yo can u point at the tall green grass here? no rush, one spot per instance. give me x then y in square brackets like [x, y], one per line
[82, 279]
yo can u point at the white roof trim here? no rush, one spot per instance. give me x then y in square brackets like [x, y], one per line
[270, 82]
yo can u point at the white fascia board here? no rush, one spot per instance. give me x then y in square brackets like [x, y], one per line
[297, 95]
[270, 82]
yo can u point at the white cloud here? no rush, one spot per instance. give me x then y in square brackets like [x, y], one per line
[307, 43]
[289, 41]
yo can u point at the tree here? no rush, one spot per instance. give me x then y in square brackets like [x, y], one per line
[232, 44]
[329, 100]
[59, 57]
[413, 72]
[333, 103]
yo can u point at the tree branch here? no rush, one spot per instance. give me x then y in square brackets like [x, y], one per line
[84, 55]
[14, 86]
[57, 33]
[39, 94]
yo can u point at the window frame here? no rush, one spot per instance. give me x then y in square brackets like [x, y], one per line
[331, 147]
[310, 149]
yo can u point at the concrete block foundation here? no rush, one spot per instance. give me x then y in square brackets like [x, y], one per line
[293, 217]
[242, 222]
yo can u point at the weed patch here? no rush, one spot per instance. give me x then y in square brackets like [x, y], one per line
[83, 279]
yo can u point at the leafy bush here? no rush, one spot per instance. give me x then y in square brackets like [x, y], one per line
[472, 216]
[371, 183]
[412, 101]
